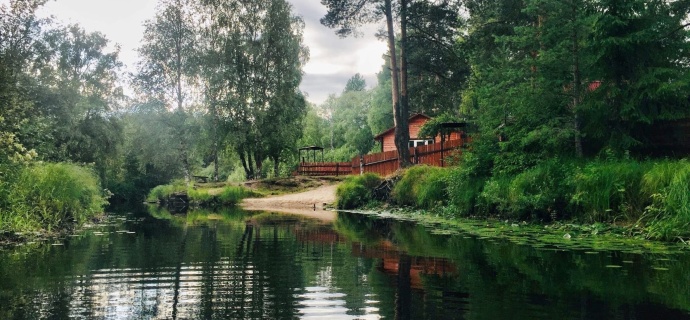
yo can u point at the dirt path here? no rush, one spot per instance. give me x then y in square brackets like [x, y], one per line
[308, 203]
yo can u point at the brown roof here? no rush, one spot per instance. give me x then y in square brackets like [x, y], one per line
[416, 115]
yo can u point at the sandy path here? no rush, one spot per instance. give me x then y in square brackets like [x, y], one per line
[308, 203]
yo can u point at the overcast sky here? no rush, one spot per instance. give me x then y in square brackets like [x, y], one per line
[332, 60]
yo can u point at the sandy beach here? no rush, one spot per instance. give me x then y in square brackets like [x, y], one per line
[307, 203]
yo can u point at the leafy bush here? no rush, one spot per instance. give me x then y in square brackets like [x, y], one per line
[47, 196]
[494, 195]
[356, 191]
[463, 191]
[542, 192]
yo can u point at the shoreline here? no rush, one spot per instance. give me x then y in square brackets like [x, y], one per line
[311, 203]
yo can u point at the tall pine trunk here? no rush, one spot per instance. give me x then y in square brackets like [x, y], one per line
[402, 131]
[401, 145]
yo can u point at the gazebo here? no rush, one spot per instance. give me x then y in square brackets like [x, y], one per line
[313, 149]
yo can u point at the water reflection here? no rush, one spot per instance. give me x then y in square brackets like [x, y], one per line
[238, 265]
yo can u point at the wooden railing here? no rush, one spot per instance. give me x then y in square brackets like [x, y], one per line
[384, 163]
[324, 168]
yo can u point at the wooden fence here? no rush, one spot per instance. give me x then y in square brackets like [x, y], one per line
[386, 163]
[383, 163]
[324, 168]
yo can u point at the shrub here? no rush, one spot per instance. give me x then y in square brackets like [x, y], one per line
[542, 192]
[47, 196]
[356, 191]
[464, 189]
[494, 195]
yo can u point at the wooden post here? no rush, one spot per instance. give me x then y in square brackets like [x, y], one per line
[416, 156]
[337, 167]
[443, 138]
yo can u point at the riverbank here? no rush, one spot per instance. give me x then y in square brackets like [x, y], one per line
[647, 198]
[311, 203]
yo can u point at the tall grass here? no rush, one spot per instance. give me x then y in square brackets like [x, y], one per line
[668, 185]
[229, 196]
[611, 190]
[50, 196]
[422, 186]
[162, 192]
[356, 191]
[653, 194]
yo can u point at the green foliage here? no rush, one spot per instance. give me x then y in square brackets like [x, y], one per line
[233, 195]
[228, 196]
[668, 215]
[162, 192]
[464, 190]
[611, 190]
[544, 191]
[50, 196]
[422, 186]
[356, 191]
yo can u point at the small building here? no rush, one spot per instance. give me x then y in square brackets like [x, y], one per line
[415, 123]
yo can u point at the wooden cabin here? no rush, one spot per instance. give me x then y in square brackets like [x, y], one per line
[415, 123]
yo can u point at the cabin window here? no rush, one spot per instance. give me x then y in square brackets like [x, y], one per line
[420, 142]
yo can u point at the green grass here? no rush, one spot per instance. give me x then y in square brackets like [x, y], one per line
[611, 190]
[51, 196]
[668, 184]
[356, 191]
[228, 196]
[231, 196]
[422, 186]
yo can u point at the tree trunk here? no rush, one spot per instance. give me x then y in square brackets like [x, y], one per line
[402, 132]
[216, 137]
[395, 87]
[275, 167]
[258, 159]
[185, 162]
[246, 160]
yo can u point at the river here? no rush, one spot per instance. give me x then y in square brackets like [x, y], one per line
[150, 264]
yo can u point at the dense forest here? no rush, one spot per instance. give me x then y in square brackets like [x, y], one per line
[216, 92]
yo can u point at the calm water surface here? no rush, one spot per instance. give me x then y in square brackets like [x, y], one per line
[239, 265]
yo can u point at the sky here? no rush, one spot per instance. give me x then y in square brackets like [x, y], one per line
[332, 60]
